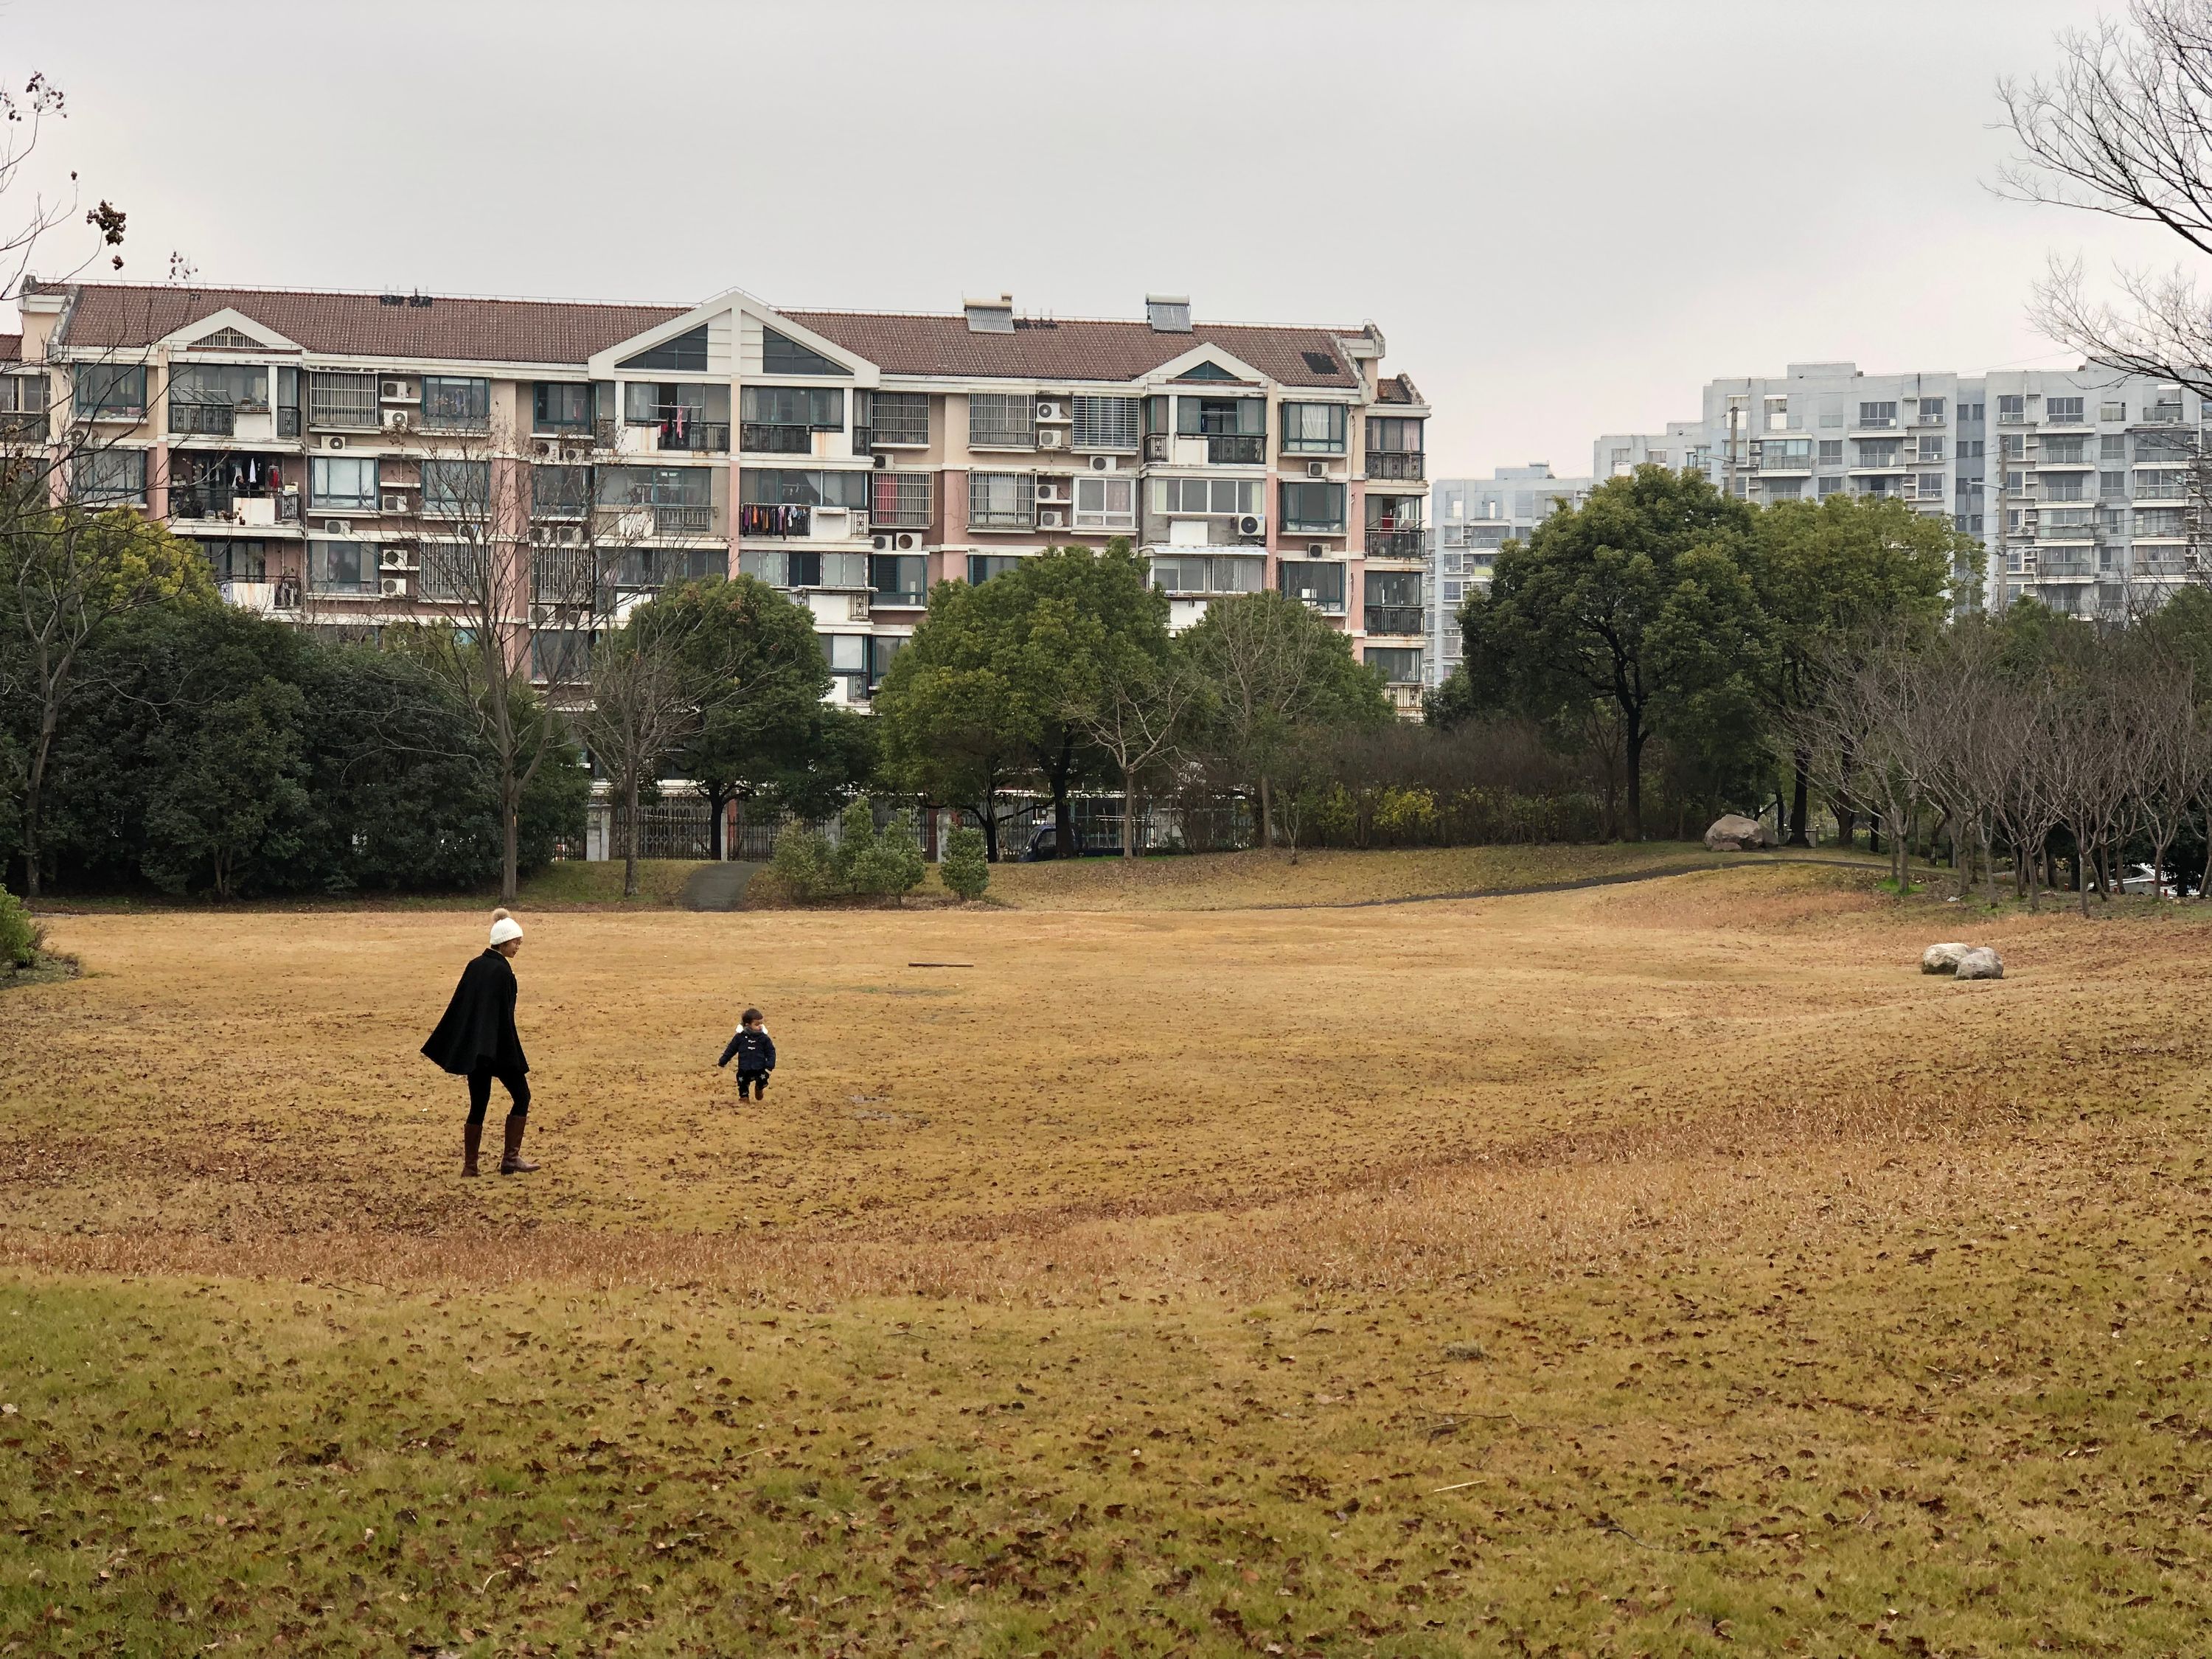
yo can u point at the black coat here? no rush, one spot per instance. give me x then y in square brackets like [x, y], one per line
[754, 1049]
[478, 1033]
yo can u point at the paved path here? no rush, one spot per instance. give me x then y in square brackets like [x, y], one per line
[717, 886]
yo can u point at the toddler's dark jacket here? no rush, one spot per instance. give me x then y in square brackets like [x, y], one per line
[755, 1050]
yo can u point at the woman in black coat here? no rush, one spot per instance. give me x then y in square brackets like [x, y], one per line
[476, 1040]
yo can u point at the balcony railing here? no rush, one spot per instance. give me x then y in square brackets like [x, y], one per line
[1236, 449]
[198, 502]
[1875, 423]
[1393, 619]
[1769, 461]
[1159, 445]
[205, 419]
[2162, 565]
[331, 410]
[2064, 570]
[1396, 463]
[704, 437]
[448, 420]
[1395, 544]
[1313, 527]
[759, 438]
[684, 520]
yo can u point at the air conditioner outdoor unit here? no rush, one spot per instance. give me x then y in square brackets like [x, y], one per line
[1048, 439]
[1105, 464]
[882, 543]
[1050, 411]
[1317, 469]
[395, 503]
[397, 420]
[334, 442]
[1314, 551]
[337, 526]
[394, 588]
[397, 389]
[1053, 520]
[1251, 524]
[393, 558]
[883, 463]
[908, 541]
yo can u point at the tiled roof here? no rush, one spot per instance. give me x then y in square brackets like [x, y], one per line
[1074, 350]
[11, 348]
[116, 315]
[1396, 389]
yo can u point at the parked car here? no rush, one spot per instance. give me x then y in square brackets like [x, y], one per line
[1044, 845]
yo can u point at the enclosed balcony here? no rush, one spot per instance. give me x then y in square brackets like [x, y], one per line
[236, 487]
[1409, 464]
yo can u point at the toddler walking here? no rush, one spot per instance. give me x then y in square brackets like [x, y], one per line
[756, 1053]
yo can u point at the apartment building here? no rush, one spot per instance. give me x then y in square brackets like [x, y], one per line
[1471, 518]
[2078, 483]
[321, 448]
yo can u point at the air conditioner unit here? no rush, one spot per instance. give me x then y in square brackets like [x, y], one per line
[1251, 524]
[1317, 469]
[334, 442]
[1048, 439]
[883, 463]
[394, 588]
[398, 420]
[1315, 550]
[907, 541]
[393, 558]
[882, 543]
[1050, 411]
[393, 390]
[1105, 464]
[1053, 519]
[337, 526]
[395, 503]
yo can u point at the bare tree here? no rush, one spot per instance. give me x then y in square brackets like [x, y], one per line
[1135, 713]
[642, 705]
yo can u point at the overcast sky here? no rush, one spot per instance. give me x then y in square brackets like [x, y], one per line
[1565, 215]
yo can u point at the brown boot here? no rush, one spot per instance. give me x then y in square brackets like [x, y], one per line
[472, 1142]
[511, 1162]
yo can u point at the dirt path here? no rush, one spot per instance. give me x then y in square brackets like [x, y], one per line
[719, 886]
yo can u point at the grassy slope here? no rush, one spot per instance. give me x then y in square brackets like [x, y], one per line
[1818, 1306]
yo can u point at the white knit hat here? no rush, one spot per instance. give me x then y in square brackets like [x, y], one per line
[505, 928]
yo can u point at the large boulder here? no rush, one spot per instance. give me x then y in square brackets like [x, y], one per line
[1942, 958]
[1734, 832]
[1981, 962]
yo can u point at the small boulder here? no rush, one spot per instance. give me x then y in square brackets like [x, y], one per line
[1981, 962]
[1733, 832]
[1942, 958]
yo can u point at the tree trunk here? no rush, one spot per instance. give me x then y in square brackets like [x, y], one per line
[990, 817]
[1063, 809]
[1847, 825]
[1128, 815]
[1632, 755]
[1874, 832]
[716, 805]
[629, 840]
[510, 853]
[1266, 814]
[1800, 790]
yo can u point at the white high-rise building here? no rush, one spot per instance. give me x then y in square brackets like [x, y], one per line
[1471, 518]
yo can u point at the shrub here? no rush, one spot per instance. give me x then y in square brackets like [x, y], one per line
[965, 870]
[803, 865]
[880, 863]
[20, 938]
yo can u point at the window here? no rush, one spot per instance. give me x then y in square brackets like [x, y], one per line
[1831, 451]
[2166, 411]
[562, 407]
[899, 500]
[1222, 416]
[22, 394]
[762, 486]
[1784, 489]
[239, 387]
[1931, 449]
[1931, 409]
[342, 483]
[2016, 481]
[2112, 485]
[2117, 411]
[1931, 486]
[2169, 484]
[560, 656]
[1001, 500]
[2065, 451]
[1319, 582]
[1778, 414]
[1878, 414]
[2063, 411]
[2012, 407]
[1394, 602]
[982, 566]
[346, 402]
[1106, 423]
[456, 489]
[1400, 437]
[1794, 453]
[899, 578]
[1107, 503]
[560, 492]
[114, 476]
[341, 567]
[685, 355]
[2012, 445]
[781, 355]
[237, 562]
[1312, 504]
[456, 404]
[999, 420]
[1207, 573]
[1879, 451]
[1214, 497]
[111, 392]
[1399, 666]
[451, 571]
[1313, 428]
[2164, 522]
[901, 418]
[1206, 371]
[816, 408]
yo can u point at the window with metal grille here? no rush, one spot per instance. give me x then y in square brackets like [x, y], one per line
[999, 420]
[346, 402]
[1109, 424]
[901, 417]
[1001, 500]
[900, 501]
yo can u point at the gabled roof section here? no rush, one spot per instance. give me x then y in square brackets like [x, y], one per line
[1075, 351]
[123, 315]
[228, 330]
[1397, 389]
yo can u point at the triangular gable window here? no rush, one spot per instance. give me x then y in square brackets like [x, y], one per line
[781, 355]
[1207, 371]
[225, 339]
[686, 353]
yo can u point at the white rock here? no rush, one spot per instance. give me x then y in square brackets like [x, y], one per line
[1942, 958]
[1733, 832]
[1981, 962]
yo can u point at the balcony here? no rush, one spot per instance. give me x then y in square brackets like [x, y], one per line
[758, 438]
[288, 422]
[683, 518]
[203, 420]
[341, 408]
[1397, 464]
[206, 504]
[451, 421]
[1407, 543]
[2065, 571]
[1236, 449]
[792, 570]
[697, 437]
[2164, 565]
[1393, 619]
[1770, 462]
[1875, 423]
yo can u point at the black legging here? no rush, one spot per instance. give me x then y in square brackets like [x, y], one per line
[518, 1086]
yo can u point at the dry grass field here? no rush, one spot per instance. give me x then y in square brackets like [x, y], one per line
[1663, 1269]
